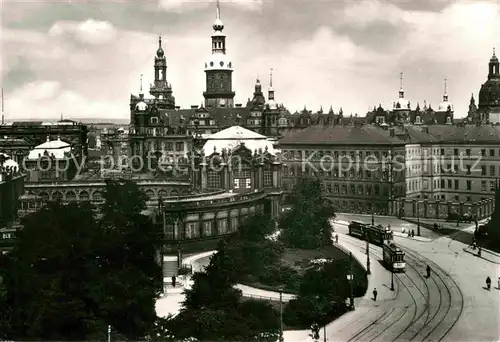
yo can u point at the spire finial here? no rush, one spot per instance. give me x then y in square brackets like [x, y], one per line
[401, 80]
[159, 40]
[141, 84]
[445, 85]
[271, 77]
[218, 10]
[493, 52]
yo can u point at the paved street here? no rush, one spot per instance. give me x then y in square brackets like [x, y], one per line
[460, 280]
[452, 305]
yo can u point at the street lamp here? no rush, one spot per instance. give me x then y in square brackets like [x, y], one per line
[418, 219]
[367, 255]
[392, 280]
[109, 333]
[373, 216]
[281, 315]
[350, 278]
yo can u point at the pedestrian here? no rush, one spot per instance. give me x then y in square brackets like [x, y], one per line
[375, 294]
[488, 282]
[174, 280]
[413, 233]
[428, 271]
[499, 283]
[403, 230]
[479, 251]
[336, 238]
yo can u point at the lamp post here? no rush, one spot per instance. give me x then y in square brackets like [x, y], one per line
[350, 277]
[281, 315]
[392, 280]
[418, 219]
[373, 216]
[367, 255]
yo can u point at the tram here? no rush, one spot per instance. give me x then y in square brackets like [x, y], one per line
[376, 234]
[394, 257]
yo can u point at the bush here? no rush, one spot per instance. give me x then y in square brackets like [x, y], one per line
[302, 312]
[278, 275]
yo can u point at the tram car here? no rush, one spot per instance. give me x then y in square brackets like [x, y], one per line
[376, 234]
[394, 257]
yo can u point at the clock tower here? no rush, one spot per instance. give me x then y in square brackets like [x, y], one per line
[218, 70]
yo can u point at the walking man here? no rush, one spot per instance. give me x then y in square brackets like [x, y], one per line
[375, 294]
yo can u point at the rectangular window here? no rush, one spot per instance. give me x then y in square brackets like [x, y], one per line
[442, 184]
[483, 170]
[455, 151]
[483, 152]
[248, 183]
[492, 185]
[207, 228]
[456, 184]
[449, 183]
[492, 170]
[169, 146]
[483, 185]
[179, 146]
[213, 180]
[268, 178]
[492, 153]
[222, 226]
[467, 152]
[469, 186]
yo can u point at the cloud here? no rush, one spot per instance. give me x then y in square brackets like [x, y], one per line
[190, 5]
[89, 32]
[350, 56]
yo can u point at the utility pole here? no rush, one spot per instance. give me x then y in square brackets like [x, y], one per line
[281, 316]
[418, 219]
[351, 279]
[367, 255]
[392, 280]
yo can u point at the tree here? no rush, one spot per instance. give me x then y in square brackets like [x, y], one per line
[494, 224]
[74, 271]
[307, 224]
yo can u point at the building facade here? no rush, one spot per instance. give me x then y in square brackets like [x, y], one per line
[11, 188]
[362, 167]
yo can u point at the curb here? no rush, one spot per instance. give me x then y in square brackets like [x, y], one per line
[482, 257]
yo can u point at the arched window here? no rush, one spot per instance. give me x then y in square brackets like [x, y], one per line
[97, 196]
[174, 193]
[84, 196]
[162, 194]
[44, 196]
[57, 196]
[71, 196]
[150, 194]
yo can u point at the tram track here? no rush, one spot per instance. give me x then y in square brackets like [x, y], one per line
[439, 330]
[430, 327]
[361, 336]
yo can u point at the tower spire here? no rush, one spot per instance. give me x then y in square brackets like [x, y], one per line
[271, 78]
[218, 24]
[494, 52]
[141, 84]
[401, 91]
[218, 12]
[445, 86]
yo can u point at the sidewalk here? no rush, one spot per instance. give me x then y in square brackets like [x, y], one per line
[417, 238]
[366, 309]
[486, 254]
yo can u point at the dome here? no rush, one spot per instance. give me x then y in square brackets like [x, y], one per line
[12, 164]
[272, 104]
[443, 106]
[160, 53]
[141, 106]
[219, 61]
[218, 25]
[401, 104]
[56, 147]
[489, 95]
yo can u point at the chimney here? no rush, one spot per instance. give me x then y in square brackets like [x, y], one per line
[425, 129]
[391, 132]
[194, 106]
[238, 105]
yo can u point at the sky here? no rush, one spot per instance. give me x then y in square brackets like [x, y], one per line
[83, 59]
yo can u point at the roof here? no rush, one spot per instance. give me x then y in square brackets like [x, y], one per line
[465, 133]
[232, 137]
[236, 132]
[341, 135]
[58, 148]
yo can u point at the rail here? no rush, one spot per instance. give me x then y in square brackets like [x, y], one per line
[176, 198]
[209, 202]
[246, 295]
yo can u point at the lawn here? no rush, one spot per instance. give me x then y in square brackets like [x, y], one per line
[299, 261]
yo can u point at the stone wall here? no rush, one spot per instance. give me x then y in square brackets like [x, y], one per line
[441, 209]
